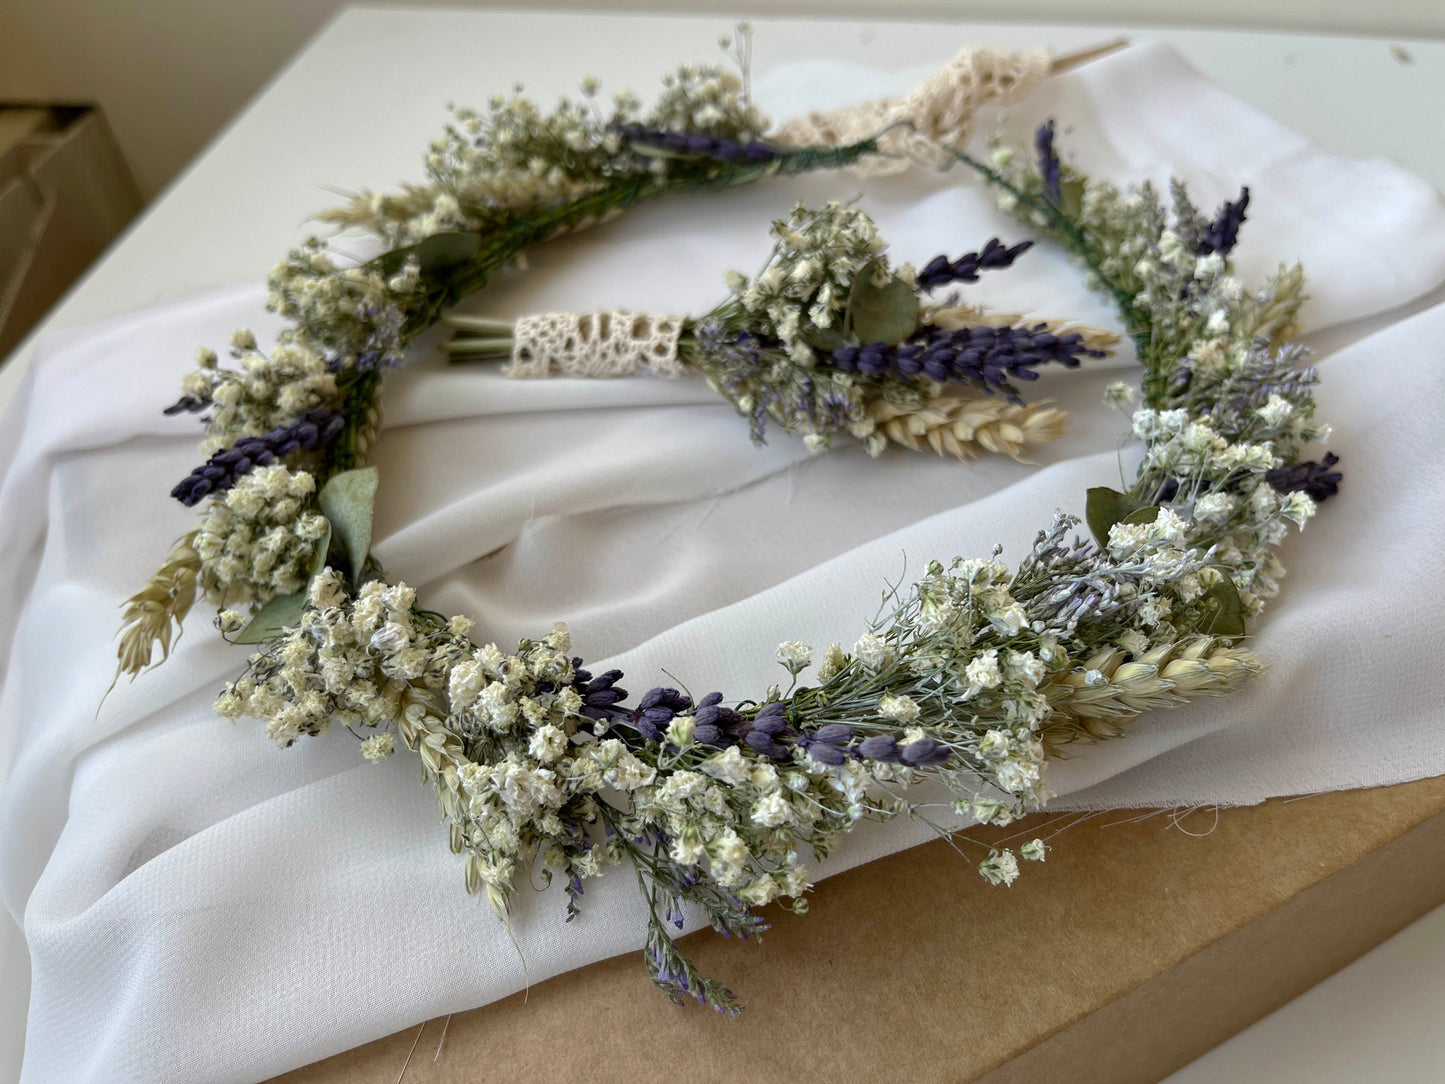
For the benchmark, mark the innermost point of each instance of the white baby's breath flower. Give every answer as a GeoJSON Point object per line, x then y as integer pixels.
{"type": "Point", "coordinates": [795, 655]}
{"type": "Point", "coordinates": [1300, 507]}
{"type": "Point", "coordinates": [681, 731]}
{"type": "Point", "coordinates": [772, 810]}
{"type": "Point", "coordinates": [378, 747]}
{"type": "Point", "coordinates": [834, 660]}
{"type": "Point", "coordinates": [547, 744]}
{"type": "Point", "coordinates": [1000, 868]}
{"type": "Point", "coordinates": [1119, 394]}
{"type": "Point", "coordinates": [994, 744]}
{"type": "Point", "coordinates": [1275, 412]}
{"type": "Point", "coordinates": [1034, 850]}
{"type": "Point", "coordinates": [982, 672]}
{"type": "Point", "coordinates": [872, 651]}
{"type": "Point", "coordinates": [900, 709]}
{"type": "Point", "coordinates": [728, 766]}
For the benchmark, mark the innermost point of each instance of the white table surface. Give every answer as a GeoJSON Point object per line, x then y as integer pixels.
{"type": "Point", "coordinates": [324, 122]}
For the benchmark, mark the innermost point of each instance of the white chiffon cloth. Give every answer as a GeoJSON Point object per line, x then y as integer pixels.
{"type": "Point", "coordinates": [201, 906]}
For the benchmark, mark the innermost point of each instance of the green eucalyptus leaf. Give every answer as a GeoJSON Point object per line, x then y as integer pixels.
{"type": "Point", "coordinates": [1105, 507]}
{"type": "Point", "coordinates": [824, 338]}
{"type": "Point", "coordinates": [348, 501]}
{"type": "Point", "coordinates": [389, 263]}
{"type": "Point", "coordinates": [443, 250]}
{"type": "Point", "coordinates": [436, 253]}
{"type": "Point", "coordinates": [881, 314]}
{"type": "Point", "coordinates": [274, 618]}
{"type": "Point", "coordinates": [323, 552]}
{"type": "Point", "coordinates": [1223, 610]}
{"type": "Point", "coordinates": [1142, 515]}
{"type": "Point", "coordinates": [1071, 195]}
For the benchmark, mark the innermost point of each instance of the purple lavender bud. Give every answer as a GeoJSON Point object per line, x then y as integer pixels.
{"type": "Point", "coordinates": [1048, 162]}
{"type": "Point", "coordinates": [600, 694]}
{"type": "Point", "coordinates": [312, 431]}
{"type": "Point", "coordinates": [772, 725]}
{"type": "Point", "coordinates": [187, 404]}
{"type": "Point", "coordinates": [710, 700]}
{"type": "Point", "coordinates": [708, 734]}
{"type": "Point", "coordinates": [834, 734]}
{"type": "Point", "coordinates": [882, 747]}
{"type": "Point", "coordinates": [824, 753]}
{"type": "Point", "coordinates": [697, 144]}
{"type": "Point", "coordinates": [937, 367]}
{"type": "Point", "coordinates": [984, 356]}
{"type": "Point", "coordinates": [763, 743]}
{"type": "Point", "coordinates": [1318, 481]}
{"type": "Point", "coordinates": [924, 753]}
{"type": "Point", "coordinates": [934, 268]}
{"type": "Point", "coordinates": [1223, 233]}
{"type": "Point", "coordinates": [652, 724]}
{"type": "Point", "coordinates": [994, 254]}
{"type": "Point", "coordinates": [873, 358]}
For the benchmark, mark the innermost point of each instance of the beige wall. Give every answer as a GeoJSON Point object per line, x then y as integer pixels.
{"type": "Point", "coordinates": [169, 73]}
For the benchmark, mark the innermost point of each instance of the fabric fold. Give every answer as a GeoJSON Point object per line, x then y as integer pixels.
{"type": "Point", "coordinates": [200, 905]}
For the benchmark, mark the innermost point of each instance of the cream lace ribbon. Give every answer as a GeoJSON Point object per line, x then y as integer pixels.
{"type": "Point", "coordinates": [595, 344]}
{"type": "Point", "coordinates": [933, 117]}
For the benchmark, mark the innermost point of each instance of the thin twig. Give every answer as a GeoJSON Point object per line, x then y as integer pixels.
{"type": "Point", "coordinates": [410, 1052]}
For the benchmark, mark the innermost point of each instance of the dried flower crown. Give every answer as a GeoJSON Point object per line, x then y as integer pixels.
{"type": "Point", "coordinates": [971, 677]}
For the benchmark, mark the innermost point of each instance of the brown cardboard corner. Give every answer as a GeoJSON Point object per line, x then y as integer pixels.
{"type": "Point", "coordinates": [1131, 951]}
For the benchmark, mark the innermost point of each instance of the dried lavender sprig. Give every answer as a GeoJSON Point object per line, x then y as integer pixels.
{"type": "Point", "coordinates": [1223, 233]}
{"type": "Point", "coordinates": [702, 146]}
{"type": "Point", "coordinates": [1048, 162]}
{"type": "Point", "coordinates": [767, 731]}
{"type": "Point", "coordinates": [984, 356]}
{"type": "Point", "coordinates": [939, 271]}
{"type": "Point", "coordinates": [1318, 481]}
{"type": "Point", "coordinates": [313, 430]}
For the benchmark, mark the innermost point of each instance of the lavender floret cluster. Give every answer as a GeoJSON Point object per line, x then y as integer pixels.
{"type": "Point", "coordinates": [1222, 234]}
{"type": "Point", "coordinates": [695, 143]}
{"type": "Point", "coordinates": [312, 431]}
{"type": "Point", "coordinates": [1317, 480]}
{"type": "Point", "coordinates": [940, 271]}
{"type": "Point", "coordinates": [984, 356]}
{"type": "Point", "coordinates": [767, 732]}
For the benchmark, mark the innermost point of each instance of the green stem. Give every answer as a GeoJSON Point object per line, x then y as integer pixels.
{"type": "Point", "coordinates": [507, 244]}
{"type": "Point", "coordinates": [503, 246]}
{"type": "Point", "coordinates": [1135, 320]}
{"type": "Point", "coordinates": [358, 396]}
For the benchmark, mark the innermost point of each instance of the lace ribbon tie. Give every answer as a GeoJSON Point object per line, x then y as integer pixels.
{"type": "Point", "coordinates": [932, 117]}
{"type": "Point", "coordinates": [596, 344]}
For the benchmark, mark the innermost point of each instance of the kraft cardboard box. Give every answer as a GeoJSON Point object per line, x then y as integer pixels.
{"type": "Point", "coordinates": [1134, 949]}
{"type": "Point", "coordinates": [65, 194]}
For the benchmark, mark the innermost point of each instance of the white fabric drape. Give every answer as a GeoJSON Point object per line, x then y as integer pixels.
{"type": "Point", "coordinates": [199, 905]}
